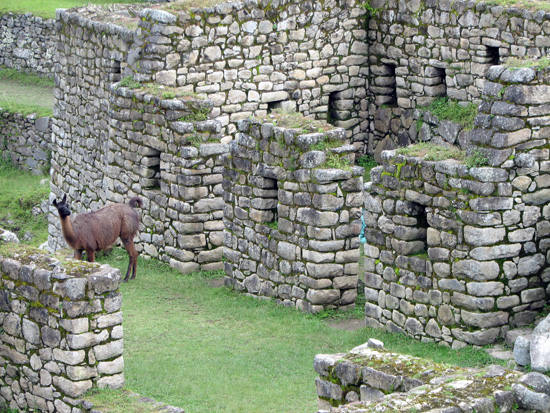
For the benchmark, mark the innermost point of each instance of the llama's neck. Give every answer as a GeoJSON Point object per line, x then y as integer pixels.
{"type": "Point", "coordinates": [67, 229]}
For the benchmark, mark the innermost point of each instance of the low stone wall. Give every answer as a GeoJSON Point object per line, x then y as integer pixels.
{"type": "Point", "coordinates": [372, 379]}
{"type": "Point", "coordinates": [27, 42]}
{"type": "Point", "coordinates": [61, 331]}
{"type": "Point", "coordinates": [26, 141]}
{"type": "Point", "coordinates": [291, 221]}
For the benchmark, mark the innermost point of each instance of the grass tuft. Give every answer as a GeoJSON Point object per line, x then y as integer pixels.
{"type": "Point", "coordinates": [445, 109]}
{"type": "Point", "coordinates": [514, 63]}
{"type": "Point", "coordinates": [477, 159]}
{"type": "Point", "coordinates": [368, 162]}
{"type": "Point", "coordinates": [295, 120]}
{"type": "Point", "coordinates": [432, 152]}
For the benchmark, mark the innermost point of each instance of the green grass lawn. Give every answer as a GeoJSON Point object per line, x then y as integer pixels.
{"type": "Point", "coordinates": [209, 349]}
{"type": "Point", "coordinates": [25, 93]}
{"type": "Point", "coordinates": [46, 8]}
{"type": "Point", "coordinates": [19, 193]}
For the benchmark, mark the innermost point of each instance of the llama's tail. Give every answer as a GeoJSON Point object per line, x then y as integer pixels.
{"type": "Point", "coordinates": [136, 202]}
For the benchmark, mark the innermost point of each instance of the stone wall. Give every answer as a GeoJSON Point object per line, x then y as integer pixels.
{"type": "Point", "coordinates": [25, 140]}
{"type": "Point", "coordinates": [27, 42]}
{"type": "Point", "coordinates": [371, 379]}
{"type": "Point", "coordinates": [61, 331]}
{"type": "Point", "coordinates": [419, 51]}
{"type": "Point", "coordinates": [250, 57]}
{"type": "Point", "coordinates": [156, 150]}
{"type": "Point", "coordinates": [457, 254]}
{"type": "Point", "coordinates": [89, 56]}
{"type": "Point", "coordinates": [291, 219]}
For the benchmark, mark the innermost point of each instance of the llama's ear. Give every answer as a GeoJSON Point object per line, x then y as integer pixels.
{"type": "Point", "coordinates": [54, 202]}
{"type": "Point", "coordinates": [65, 198]}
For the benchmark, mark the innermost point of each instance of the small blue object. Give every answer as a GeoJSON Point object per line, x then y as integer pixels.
{"type": "Point", "coordinates": [362, 236]}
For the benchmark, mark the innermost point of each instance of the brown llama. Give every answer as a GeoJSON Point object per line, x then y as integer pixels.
{"type": "Point", "coordinates": [95, 231]}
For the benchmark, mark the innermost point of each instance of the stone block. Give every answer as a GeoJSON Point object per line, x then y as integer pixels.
{"type": "Point", "coordinates": [484, 320]}
{"type": "Point", "coordinates": [109, 350]}
{"type": "Point", "coordinates": [323, 297]}
{"type": "Point", "coordinates": [71, 388]}
{"type": "Point", "coordinates": [328, 389]}
{"type": "Point", "coordinates": [69, 357]}
{"type": "Point", "coordinates": [476, 270]}
{"type": "Point", "coordinates": [111, 367]}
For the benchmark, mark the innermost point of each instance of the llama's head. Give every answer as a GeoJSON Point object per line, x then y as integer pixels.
{"type": "Point", "coordinates": [62, 207]}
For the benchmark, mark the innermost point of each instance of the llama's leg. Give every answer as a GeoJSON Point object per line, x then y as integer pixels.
{"type": "Point", "coordinates": [78, 254]}
{"type": "Point", "coordinates": [132, 253]}
{"type": "Point", "coordinates": [91, 255]}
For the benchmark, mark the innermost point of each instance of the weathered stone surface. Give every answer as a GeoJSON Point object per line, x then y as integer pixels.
{"type": "Point", "coordinates": [322, 362]}
{"type": "Point", "coordinates": [109, 350]}
{"type": "Point", "coordinates": [537, 198]}
{"type": "Point", "coordinates": [530, 265]}
{"type": "Point", "coordinates": [348, 373]}
{"type": "Point", "coordinates": [69, 357]}
{"type": "Point", "coordinates": [488, 288]}
{"type": "Point", "coordinates": [485, 320]}
{"type": "Point", "coordinates": [476, 270]}
{"type": "Point", "coordinates": [322, 296]}
{"type": "Point", "coordinates": [540, 352]}
{"type": "Point", "coordinates": [472, 303]}
{"type": "Point", "coordinates": [483, 236]}
{"type": "Point", "coordinates": [529, 399]}
{"type": "Point", "coordinates": [72, 388]}
{"type": "Point", "coordinates": [328, 389]}
{"type": "Point", "coordinates": [522, 351]}
{"type": "Point", "coordinates": [479, 338]}
{"type": "Point", "coordinates": [495, 252]}
{"type": "Point", "coordinates": [379, 380]}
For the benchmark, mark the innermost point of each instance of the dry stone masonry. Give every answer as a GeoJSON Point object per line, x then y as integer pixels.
{"type": "Point", "coordinates": [61, 331]}
{"type": "Point", "coordinates": [419, 51]}
{"type": "Point", "coordinates": [454, 254]}
{"type": "Point", "coordinates": [135, 143]}
{"type": "Point", "coordinates": [158, 151]}
{"type": "Point", "coordinates": [292, 221]}
{"type": "Point", "coordinates": [458, 254]}
{"type": "Point", "coordinates": [248, 57]}
{"type": "Point", "coordinates": [27, 42]}
{"type": "Point", "coordinates": [26, 141]}
{"type": "Point", "coordinates": [371, 379]}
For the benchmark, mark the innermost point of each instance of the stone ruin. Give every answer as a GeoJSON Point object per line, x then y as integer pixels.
{"type": "Point", "coordinates": [61, 331]}
{"type": "Point", "coordinates": [454, 254]}
{"type": "Point", "coordinates": [458, 254]}
{"type": "Point", "coordinates": [372, 379]}
{"type": "Point", "coordinates": [291, 220]}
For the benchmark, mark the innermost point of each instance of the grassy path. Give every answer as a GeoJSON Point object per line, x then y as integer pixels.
{"type": "Point", "coordinates": [212, 350]}
{"type": "Point", "coordinates": [208, 349]}
{"type": "Point", "coordinates": [25, 98]}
